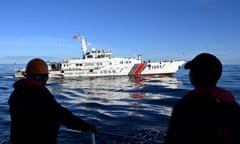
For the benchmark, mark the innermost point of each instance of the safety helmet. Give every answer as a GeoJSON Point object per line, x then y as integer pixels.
{"type": "Point", "coordinates": [37, 66]}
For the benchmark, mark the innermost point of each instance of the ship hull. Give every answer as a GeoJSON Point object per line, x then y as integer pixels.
{"type": "Point", "coordinates": [119, 67]}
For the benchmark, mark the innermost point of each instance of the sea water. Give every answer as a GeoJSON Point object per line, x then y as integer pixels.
{"type": "Point", "coordinates": [126, 110]}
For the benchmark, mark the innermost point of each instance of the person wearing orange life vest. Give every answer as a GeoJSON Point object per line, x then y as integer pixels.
{"type": "Point", "coordinates": [207, 114]}
{"type": "Point", "coordinates": [35, 114]}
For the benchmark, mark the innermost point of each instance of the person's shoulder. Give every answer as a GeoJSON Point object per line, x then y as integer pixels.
{"type": "Point", "coordinates": [193, 98]}
{"type": "Point", "coordinates": [195, 102]}
{"type": "Point", "coordinates": [188, 103]}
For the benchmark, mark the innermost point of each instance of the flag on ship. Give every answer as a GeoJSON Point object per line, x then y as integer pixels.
{"type": "Point", "coordinates": [75, 37]}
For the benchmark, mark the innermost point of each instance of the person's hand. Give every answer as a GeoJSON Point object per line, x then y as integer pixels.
{"type": "Point", "coordinates": [93, 128]}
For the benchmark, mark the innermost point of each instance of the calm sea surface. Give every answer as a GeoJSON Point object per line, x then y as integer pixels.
{"type": "Point", "coordinates": [126, 110]}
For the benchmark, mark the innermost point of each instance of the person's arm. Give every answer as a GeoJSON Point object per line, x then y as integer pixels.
{"type": "Point", "coordinates": [71, 121]}
{"type": "Point", "coordinates": [65, 117]}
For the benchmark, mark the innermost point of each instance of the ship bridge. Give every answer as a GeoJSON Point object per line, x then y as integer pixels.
{"type": "Point", "coordinates": [95, 53]}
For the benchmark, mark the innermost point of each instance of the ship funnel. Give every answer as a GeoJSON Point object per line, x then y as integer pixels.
{"type": "Point", "coordinates": [84, 46]}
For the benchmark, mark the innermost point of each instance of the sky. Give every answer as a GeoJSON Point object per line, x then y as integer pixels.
{"type": "Point", "coordinates": [157, 29]}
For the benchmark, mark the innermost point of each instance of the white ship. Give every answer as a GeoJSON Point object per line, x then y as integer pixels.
{"type": "Point", "coordinates": [98, 63]}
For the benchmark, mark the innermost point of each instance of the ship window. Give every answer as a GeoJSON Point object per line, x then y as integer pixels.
{"type": "Point", "coordinates": [89, 56]}
{"type": "Point", "coordinates": [78, 64]}
{"type": "Point", "coordinates": [121, 62]}
{"type": "Point", "coordinates": [91, 70]}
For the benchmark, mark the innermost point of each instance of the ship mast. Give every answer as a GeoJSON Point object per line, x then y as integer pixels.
{"type": "Point", "coordinates": [84, 46]}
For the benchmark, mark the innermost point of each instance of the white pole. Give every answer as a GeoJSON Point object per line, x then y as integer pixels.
{"type": "Point", "coordinates": [93, 138]}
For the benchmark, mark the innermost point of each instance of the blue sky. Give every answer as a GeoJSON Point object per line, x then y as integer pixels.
{"type": "Point", "coordinates": [157, 29]}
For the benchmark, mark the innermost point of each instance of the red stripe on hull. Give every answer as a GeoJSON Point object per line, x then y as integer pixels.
{"type": "Point", "coordinates": [139, 69]}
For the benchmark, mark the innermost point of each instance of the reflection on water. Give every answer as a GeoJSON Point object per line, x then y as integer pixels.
{"type": "Point", "coordinates": [113, 90]}
{"type": "Point", "coordinates": [123, 83]}
{"type": "Point", "coordinates": [167, 82]}
{"type": "Point", "coordinates": [119, 104]}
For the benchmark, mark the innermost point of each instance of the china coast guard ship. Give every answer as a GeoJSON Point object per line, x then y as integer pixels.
{"type": "Point", "coordinates": [98, 63]}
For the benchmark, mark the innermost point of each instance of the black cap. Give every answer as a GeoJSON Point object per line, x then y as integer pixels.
{"type": "Point", "coordinates": [205, 67]}
{"type": "Point", "coordinates": [203, 61]}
